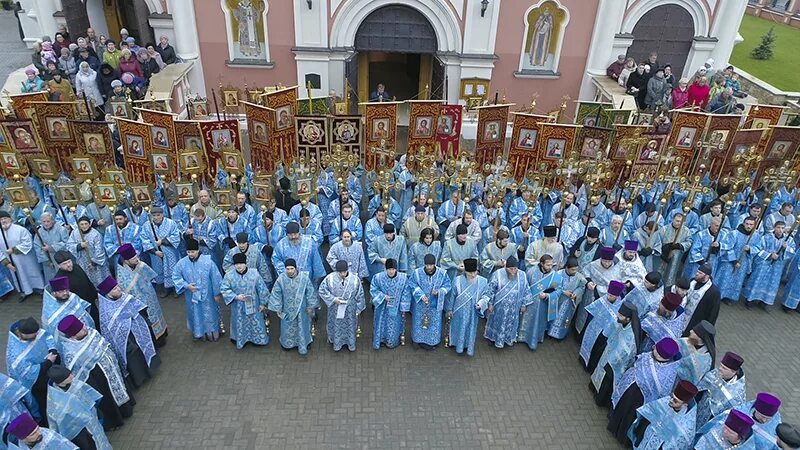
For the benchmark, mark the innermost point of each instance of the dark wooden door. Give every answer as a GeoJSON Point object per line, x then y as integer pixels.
{"type": "Point", "coordinates": [667, 30]}
{"type": "Point", "coordinates": [398, 29]}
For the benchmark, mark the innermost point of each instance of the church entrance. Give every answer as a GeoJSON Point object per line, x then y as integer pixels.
{"type": "Point", "coordinates": [667, 30]}
{"type": "Point", "coordinates": [131, 15]}
{"type": "Point", "coordinates": [396, 46]}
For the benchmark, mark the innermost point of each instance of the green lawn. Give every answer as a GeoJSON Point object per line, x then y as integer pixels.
{"type": "Point", "coordinates": [781, 70]}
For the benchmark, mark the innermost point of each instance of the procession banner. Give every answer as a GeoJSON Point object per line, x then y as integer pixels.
{"type": "Point", "coordinates": [555, 142]}
{"type": "Point", "coordinates": [713, 148]}
{"type": "Point", "coordinates": [448, 130]}
{"type": "Point", "coordinates": [312, 138]}
{"type": "Point", "coordinates": [422, 115]}
{"type": "Point", "coordinates": [135, 137]}
{"type": "Point", "coordinates": [687, 130]}
{"type": "Point", "coordinates": [625, 147]}
{"type": "Point", "coordinates": [742, 140]}
{"type": "Point", "coordinates": [763, 116]}
{"type": "Point", "coordinates": [23, 137]}
{"type": "Point", "coordinates": [54, 122]}
{"type": "Point", "coordinates": [259, 125]}
{"type": "Point", "coordinates": [491, 135]}
{"type": "Point", "coordinates": [13, 164]}
{"type": "Point", "coordinates": [781, 150]}
{"type": "Point", "coordinates": [94, 139]}
{"type": "Point", "coordinates": [219, 136]}
{"type": "Point", "coordinates": [347, 132]}
{"type": "Point", "coordinates": [522, 151]}
{"type": "Point", "coordinates": [592, 114]}
{"type": "Point", "coordinates": [380, 132]}
{"type": "Point", "coordinates": [21, 104]}
{"type": "Point", "coordinates": [283, 131]}
{"type": "Point", "coordinates": [593, 142]}
{"type": "Point", "coordinates": [647, 157]}
{"type": "Point", "coordinates": [315, 106]}
{"type": "Point", "coordinates": [162, 138]}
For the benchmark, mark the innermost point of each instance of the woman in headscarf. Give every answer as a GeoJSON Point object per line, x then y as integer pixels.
{"type": "Point", "coordinates": [698, 93]}
{"type": "Point", "coordinates": [86, 84]}
{"type": "Point", "coordinates": [151, 50]}
{"type": "Point", "coordinates": [680, 94]}
{"type": "Point", "coordinates": [129, 63]}
{"type": "Point", "coordinates": [60, 89]}
{"type": "Point", "coordinates": [33, 83]}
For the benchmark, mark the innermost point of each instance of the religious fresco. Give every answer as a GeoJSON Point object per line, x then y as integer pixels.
{"type": "Point", "coordinates": [247, 31]}
{"type": "Point", "coordinates": [544, 32]}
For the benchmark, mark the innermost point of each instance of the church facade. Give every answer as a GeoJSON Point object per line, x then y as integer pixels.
{"type": "Point", "coordinates": [445, 49]}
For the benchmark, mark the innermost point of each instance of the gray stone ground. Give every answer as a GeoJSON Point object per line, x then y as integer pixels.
{"type": "Point", "coordinates": [208, 395]}
{"type": "Point", "coordinates": [212, 396]}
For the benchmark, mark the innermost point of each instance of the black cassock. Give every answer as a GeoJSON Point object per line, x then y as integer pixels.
{"type": "Point", "coordinates": [138, 369]}
{"type": "Point", "coordinates": [113, 416]}
{"type": "Point", "coordinates": [81, 285]}
{"type": "Point", "coordinates": [707, 309]}
{"type": "Point", "coordinates": [622, 417]}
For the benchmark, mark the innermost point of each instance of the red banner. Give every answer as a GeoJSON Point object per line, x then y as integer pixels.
{"type": "Point", "coordinates": [218, 136]}
{"type": "Point", "coordinates": [259, 125]}
{"type": "Point", "coordinates": [491, 135]}
{"type": "Point", "coordinates": [448, 129]}
{"type": "Point", "coordinates": [524, 136]}
{"type": "Point", "coordinates": [94, 139]}
{"type": "Point", "coordinates": [422, 120]}
{"type": "Point", "coordinates": [283, 131]}
{"type": "Point", "coordinates": [381, 125]}
{"type": "Point", "coordinates": [162, 135]}
{"type": "Point", "coordinates": [135, 137]}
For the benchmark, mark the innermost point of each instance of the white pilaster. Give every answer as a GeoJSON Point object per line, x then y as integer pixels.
{"type": "Point", "coordinates": [701, 50]}
{"type": "Point", "coordinates": [608, 21]}
{"type": "Point", "coordinates": [186, 42]}
{"type": "Point", "coordinates": [311, 25]}
{"type": "Point", "coordinates": [480, 33]}
{"type": "Point", "coordinates": [312, 62]}
{"type": "Point", "coordinates": [726, 26]}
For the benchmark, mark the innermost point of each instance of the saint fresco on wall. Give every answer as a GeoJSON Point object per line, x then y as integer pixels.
{"type": "Point", "coordinates": [247, 29]}
{"type": "Point", "coordinates": [544, 29]}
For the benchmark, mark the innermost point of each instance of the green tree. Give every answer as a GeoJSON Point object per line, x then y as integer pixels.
{"type": "Point", "coordinates": [764, 49]}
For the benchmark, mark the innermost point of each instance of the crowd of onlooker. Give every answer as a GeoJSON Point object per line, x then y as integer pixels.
{"type": "Point", "coordinates": [95, 67]}
{"type": "Point", "coordinates": [654, 86]}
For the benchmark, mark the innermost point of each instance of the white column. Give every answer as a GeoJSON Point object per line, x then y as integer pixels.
{"type": "Point", "coordinates": [187, 40]}
{"type": "Point", "coordinates": [702, 49]}
{"type": "Point", "coordinates": [608, 22]}
{"type": "Point", "coordinates": [726, 29]}
{"type": "Point", "coordinates": [452, 71]}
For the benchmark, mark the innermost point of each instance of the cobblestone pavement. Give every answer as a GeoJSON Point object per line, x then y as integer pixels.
{"type": "Point", "coordinates": [208, 395]}
{"type": "Point", "coordinates": [14, 52]}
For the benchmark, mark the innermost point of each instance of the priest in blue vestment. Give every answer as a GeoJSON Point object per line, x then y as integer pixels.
{"type": "Point", "coordinates": [342, 293]}
{"type": "Point", "coordinates": [161, 237]}
{"type": "Point", "coordinates": [348, 221]}
{"type": "Point", "coordinates": [15, 399]}
{"type": "Point", "coordinates": [764, 411]}
{"type": "Point", "coordinates": [391, 299]}
{"type": "Point", "coordinates": [494, 255]}
{"type": "Point", "coordinates": [89, 356]}
{"type": "Point", "coordinates": [124, 323]}
{"type": "Point", "coordinates": [647, 295]}
{"type": "Point", "coordinates": [601, 321]}
{"type": "Point", "coordinates": [736, 432]}
{"type": "Point", "coordinates": [465, 306]}
{"type": "Point", "coordinates": [244, 290]}
{"type": "Point", "coordinates": [256, 257]}
{"type": "Point", "coordinates": [197, 277]}
{"type": "Point", "coordinates": [300, 248]}
{"type": "Point", "coordinates": [698, 352]}
{"type": "Point", "coordinates": [666, 423]}
{"type": "Point", "coordinates": [721, 389]}
{"type": "Point", "coordinates": [137, 278]}
{"type": "Point", "coordinates": [429, 286]}
{"type": "Point", "coordinates": [71, 410]}
{"type": "Point", "coordinates": [570, 291]}
{"type": "Point", "coordinates": [50, 239]}
{"type": "Point", "coordinates": [735, 263]}
{"type": "Point", "coordinates": [651, 377]}
{"type": "Point", "coordinates": [455, 251]}
{"type": "Point", "coordinates": [121, 232]}
{"type": "Point", "coordinates": [620, 352]}
{"type": "Point", "coordinates": [58, 302]}
{"type": "Point", "coordinates": [34, 437]}
{"type": "Point", "coordinates": [508, 292]}
{"type": "Point", "coordinates": [390, 245]}
{"type": "Point", "coordinates": [86, 244]}
{"type": "Point", "coordinates": [770, 254]}
{"type": "Point", "coordinates": [294, 300]}
{"type": "Point", "coordinates": [542, 308]}
{"type": "Point", "coordinates": [667, 321]}
{"type": "Point", "coordinates": [450, 210]}
{"type": "Point", "coordinates": [707, 246]}
{"type": "Point", "coordinates": [351, 251]}
{"type": "Point", "coordinates": [30, 353]}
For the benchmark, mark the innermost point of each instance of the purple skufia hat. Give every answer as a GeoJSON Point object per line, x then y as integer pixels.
{"type": "Point", "coordinates": [22, 426]}
{"type": "Point", "coordinates": [70, 325]}
{"type": "Point", "coordinates": [607, 253]}
{"type": "Point", "coordinates": [106, 285]}
{"type": "Point", "coordinates": [59, 284]}
{"type": "Point", "coordinates": [126, 251]}
{"type": "Point", "coordinates": [667, 348]}
{"type": "Point", "coordinates": [732, 361]}
{"type": "Point", "coordinates": [767, 404]}
{"type": "Point", "coordinates": [615, 288]}
{"type": "Point", "coordinates": [740, 423]}
{"type": "Point", "coordinates": [631, 245]}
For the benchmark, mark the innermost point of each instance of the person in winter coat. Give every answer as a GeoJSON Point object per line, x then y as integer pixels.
{"type": "Point", "coordinates": [135, 84]}
{"type": "Point", "coordinates": [84, 55]}
{"type": "Point", "coordinates": [105, 78]}
{"type": "Point", "coordinates": [637, 85]}
{"type": "Point", "coordinates": [33, 83]}
{"type": "Point", "coordinates": [86, 83]}
{"type": "Point", "coordinates": [36, 57]}
{"type": "Point", "coordinates": [61, 42]}
{"type": "Point", "coordinates": [67, 65]}
{"type": "Point", "coordinates": [656, 87]}
{"type": "Point", "coordinates": [148, 64]}
{"type": "Point", "coordinates": [698, 93]}
{"type": "Point", "coordinates": [60, 89]}
{"type": "Point", "coordinates": [151, 50]}
{"type": "Point", "coordinates": [129, 63]}
{"type": "Point", "coordinates": [680, 95]}
{"type": "Point", "coordinates": [166, 51]}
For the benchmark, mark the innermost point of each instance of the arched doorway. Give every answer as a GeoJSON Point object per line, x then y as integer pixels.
{"type": "Point", "coordinates": [396, 45]}
{"type": "Point", "coordinates": [667, 30]}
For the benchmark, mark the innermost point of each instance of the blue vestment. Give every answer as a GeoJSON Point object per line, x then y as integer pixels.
{"type": "Point", "coordinates": [668, 429]}
{"type": "Point", "coordinates": [506, 296]}
{"type": "Point", "coordinates": [462, 302]}
{"type": "Point", "coordinates": [202, 310]}
{"type": "Point", "coordinates": [290, 299]}
{"type": "Point", "coordinates": [539, 311]}
{"type": "Point", "coordinates": [247, 319]}
{"type": "Point", "coordinates": [138, 282]}
{"type": "Point", "coordinates": [426, 325]}
{"type": "Point", "coordinates": [391, 300]}
{"type": "Point", "coordinates": [603, 320]}
{"type": "Point", "coordinates": [342, 320]}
